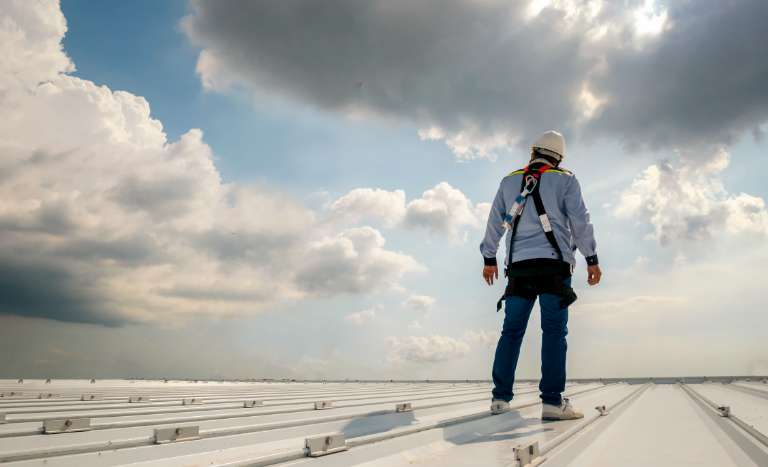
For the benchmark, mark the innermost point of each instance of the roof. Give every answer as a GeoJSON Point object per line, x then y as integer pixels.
{"type": "Point", "coordinates": [641, 422]}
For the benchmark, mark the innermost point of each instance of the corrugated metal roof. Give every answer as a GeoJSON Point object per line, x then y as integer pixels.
{"type": "Point", "coordinates": [666, 422]}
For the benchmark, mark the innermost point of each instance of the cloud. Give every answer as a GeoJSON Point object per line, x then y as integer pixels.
{"type": "Point", "coordinates": [430, 349]}
{"type": "Point", "coordinates": [685, 200]}
{"type": "Point", "coordinates": [635, 304]}
{"type": "Point", "coordinates": [419, 303]}
{"type": "Point", "coordinates": [399, 59]}
{"type": "Point", "coordinates": [681, 89]}
{"type": "Point", "coordinates": [482, 338]}
{"type": "Point", "coordinates": [30, 43]}
{"type": "Point", "coordinates": [354, 261]}
{"type": "Point", "coordinates": [109, 222]}
{"type": "Point", "coordinates": [442, 209]}
{"type": "Point", "coordinates": [487, 76]}
{"type": "Point", "coordinates": [65, 297]}
{"type": "Point", "coordinates": [370, 204]}
{"type": "Point", "coordinates": [361, 317]}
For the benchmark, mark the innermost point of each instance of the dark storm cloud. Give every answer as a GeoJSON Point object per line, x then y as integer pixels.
{"type": "Point", "coordinates": [468, 65]}
{"type": "Point", "coordinates": [449, 62]}
{"type": "Point", "coordinates": [45, 290]}
{"type": "Point", "coordinates": [131, 251]}
{"type": "Point", "coordinates": [705, 81]}
{"type": "Point", "coordinates": [247, 296]}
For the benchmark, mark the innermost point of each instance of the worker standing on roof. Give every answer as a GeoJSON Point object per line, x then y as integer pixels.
{"type": "Point", "coordinates": [543, 213]}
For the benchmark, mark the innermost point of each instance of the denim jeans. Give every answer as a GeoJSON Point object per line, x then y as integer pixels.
{"type": "Point", "coordinates": [554, 326]}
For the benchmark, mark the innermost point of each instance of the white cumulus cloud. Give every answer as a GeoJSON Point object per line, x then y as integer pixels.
{"type": "Point", "coordinates": [685, 199]}
{"type": "Point", "coordinates": [372, 204]}
{"type": "Point", "coordinates": [361, 317]}
{"type": "Point", "coordinates": [419, 303]}
{"type": "Point", "coordinates": [482, 338]}
{"type": "Point", "coordinates": [427, 349]}
{"type": "Point", "coordinates": [443, 209]}
{"type": "Point", "coordinates": [104, 220]}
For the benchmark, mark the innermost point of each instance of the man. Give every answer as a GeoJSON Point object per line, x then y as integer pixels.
{"type": "Point", "coordinates": [542, 211]}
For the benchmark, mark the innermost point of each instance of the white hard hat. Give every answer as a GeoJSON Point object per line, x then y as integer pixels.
{"type": "Point", "coordinates": [552, 144]}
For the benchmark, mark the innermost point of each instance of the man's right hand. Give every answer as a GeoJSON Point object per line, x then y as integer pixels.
{"type": "Point", "coordinates": [594, 274]}
{"type": "Point", "coordinates": [490, 273]}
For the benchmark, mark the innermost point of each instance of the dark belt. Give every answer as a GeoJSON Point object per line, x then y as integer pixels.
{"type": "Point", "coordinates": [532, 286]}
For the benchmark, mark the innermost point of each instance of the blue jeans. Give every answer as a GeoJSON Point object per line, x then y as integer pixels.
{"type": "Point", "coordinates": [554, 326]}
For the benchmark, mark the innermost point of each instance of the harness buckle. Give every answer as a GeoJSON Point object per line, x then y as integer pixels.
{"type": "Point", "coordinates": [530, 183]}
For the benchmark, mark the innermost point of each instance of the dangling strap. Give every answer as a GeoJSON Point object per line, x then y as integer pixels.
{"type": "Point", "coordinates": [545, 224]}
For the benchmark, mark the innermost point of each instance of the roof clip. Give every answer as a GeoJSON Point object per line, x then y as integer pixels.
{"type": "Point", "coordinates": [66, 425]}
{"type": "Point", "coordinates": [325, 444]}
{"type": "Point", "coordinates": [322, 405]}
{"type": "Point", "coordinates": [45, 395]}
{"type": "Point", "coordinates": [404, 407]}
{"type": "Point", "coordinates": [191, 401]}
{"type": "Point", "coordinates": [527, 455]}
{"type": "Point", "coordinates": [252, 403]}
{"type": "Point", "coordinates": [2, 418]}
{"type": "Point", "coordinates": [602, 409]}
{"type": "Point", "coordinates": [175, 434]}
{"type": "Point", "coordinates": [90, 397]}
{"type": "Point", "coordinates": [724, 411]}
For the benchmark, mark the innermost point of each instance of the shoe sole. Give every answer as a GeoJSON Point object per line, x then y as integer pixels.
{"type": "Point", "coordinates": [557, 419]}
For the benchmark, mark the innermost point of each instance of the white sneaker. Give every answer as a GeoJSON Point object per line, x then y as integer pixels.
{"type": "Point", "coordinates": [499, 406]}
{"type": "Point", "coordinates": [564, 411]}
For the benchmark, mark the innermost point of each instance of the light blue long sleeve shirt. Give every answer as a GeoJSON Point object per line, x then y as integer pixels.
{"type": "Point", "coordinates": [567, 212]}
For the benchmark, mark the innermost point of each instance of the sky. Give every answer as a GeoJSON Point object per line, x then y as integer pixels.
{"type": "Point", "coordinates": [202, 189]}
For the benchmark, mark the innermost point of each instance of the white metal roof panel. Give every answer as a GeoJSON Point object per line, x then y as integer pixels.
{"type": "Point", "coordinates": [659, 422]}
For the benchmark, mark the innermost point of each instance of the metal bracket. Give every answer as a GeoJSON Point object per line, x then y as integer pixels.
{"type": "Point", "coordinates": [322, 405]}
{"type": "Point", "coordinates": [253, 403]}
{"type": "Point", "coordinates": [46, 395]}
{"type": "Point", "coordinates": [525, 454]}
{"type": "Point", "coordinates": [135, 399]}
{"type": "Point", "coordinates": [11, 394]}
{"type": "Point", "coordinates": [724, 411]}
{"type": "Point", "coordinates": [191, 401]}
{"type": "Point", "coordinates": [90, 397]}
{"type": "Point", "coordinates": [93, 381]}
{"type": "Point", "coordinates": [48, 381]}
{"type": "Point", "coordinates": [180, 433]}
{"type": "Point", "coordinates": [404, 407]}
{"type": "Point", "coordinates": [602, 409]}
{"type": "Point", "coordinates": [66, 425]}
{"type": "Point", "coordinates": [20, 381]}
{"type": "Point", "coordinates": [325, 444]}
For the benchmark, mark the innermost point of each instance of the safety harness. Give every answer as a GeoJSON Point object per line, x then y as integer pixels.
{"type": "Point", "coordinates": [530, 185]}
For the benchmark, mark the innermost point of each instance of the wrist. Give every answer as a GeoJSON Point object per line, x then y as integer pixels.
{"type": "Point", "coordinates": [592, 260]}
{"type": "Point", "coordinates": [489, 261]}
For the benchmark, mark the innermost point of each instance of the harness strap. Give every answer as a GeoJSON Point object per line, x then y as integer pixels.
{"type": "Point", "coordinates": [529, 186]}
{"type": "Point", "coordinates": [545, 224]}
